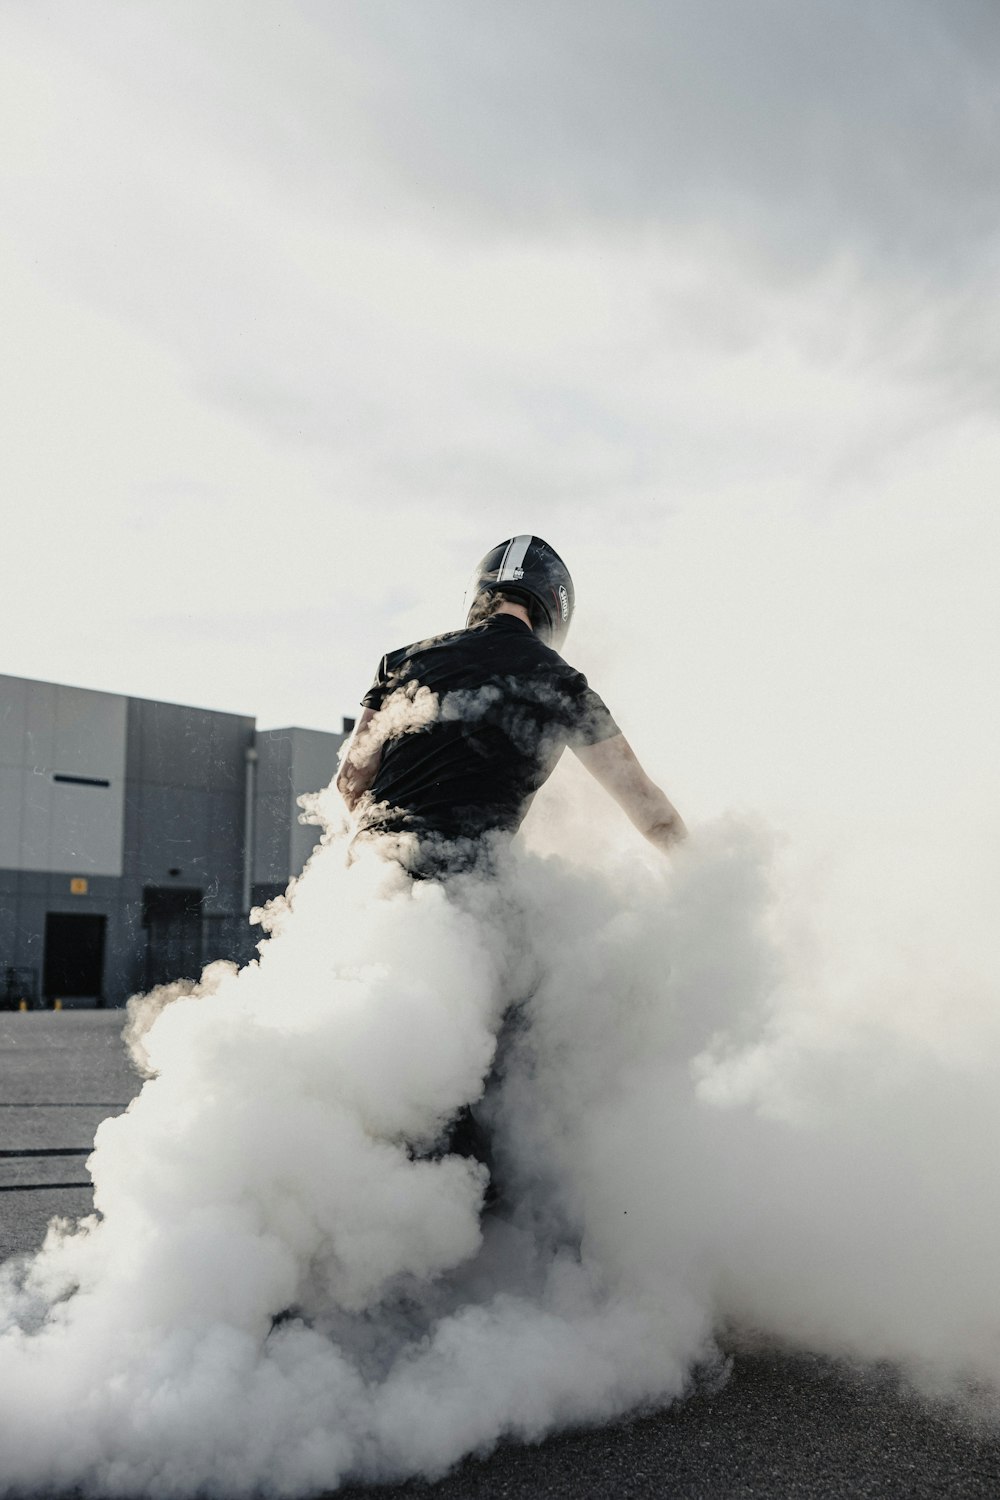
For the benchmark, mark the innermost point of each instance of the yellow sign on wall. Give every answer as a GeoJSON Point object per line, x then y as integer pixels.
{"type": "Point", "coordinates": [77, 886]}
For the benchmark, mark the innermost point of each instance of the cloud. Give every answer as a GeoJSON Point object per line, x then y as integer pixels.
{"type": "Point", "coordinates": [331, 300]}
{"type": "Point", "coordinates": [808, 129]}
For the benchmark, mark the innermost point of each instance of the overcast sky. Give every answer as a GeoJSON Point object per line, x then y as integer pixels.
{"type": "Point", "coordinates": [305, 306]}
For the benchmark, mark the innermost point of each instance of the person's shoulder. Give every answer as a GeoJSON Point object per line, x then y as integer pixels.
{"type": "Point", "coordinates": [406, 653]}
{"type": "Point", "coordinates": [544, 664]}
{"type": "Point", "coordinates": [556, 664]}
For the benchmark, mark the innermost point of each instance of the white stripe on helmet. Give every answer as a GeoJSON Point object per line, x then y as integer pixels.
{"type": "Point", "coordinates": [513, 559]}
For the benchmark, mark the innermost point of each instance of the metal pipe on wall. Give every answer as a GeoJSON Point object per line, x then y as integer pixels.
{"type": "Point", "coordinates": [249, 809]}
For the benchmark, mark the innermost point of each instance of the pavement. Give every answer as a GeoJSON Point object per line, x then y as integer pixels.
{"type": "Point", "coordinates": [782, 1425]}
{"type": "Point", "coordinates": [61, 1074]}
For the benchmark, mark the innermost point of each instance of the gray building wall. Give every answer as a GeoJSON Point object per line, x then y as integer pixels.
{"type": "Point", "coordinates": [290, 763]}
{"type": "Point", "coordinates": [123, 822]}
{"type": "Point", "coordinates": [184, 815]}
{"type": "Point", "coordinates": [62, 778]}
{"type": "Point", "coordinates": [185, 799]}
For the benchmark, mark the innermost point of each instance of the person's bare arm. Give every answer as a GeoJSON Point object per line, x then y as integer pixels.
{"type": "Point", "coordinates": [359, 761]}
{"type": "Point", "coordinates": [613, 764]}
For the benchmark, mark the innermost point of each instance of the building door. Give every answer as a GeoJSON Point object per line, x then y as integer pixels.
{"type": "Point", "coordinates": [73, 965]}
{"type": "Point", "coordinates": [172, 919]}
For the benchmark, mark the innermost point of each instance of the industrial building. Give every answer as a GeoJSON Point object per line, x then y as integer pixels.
{"type": "Point", "coordinates": [135, 836]}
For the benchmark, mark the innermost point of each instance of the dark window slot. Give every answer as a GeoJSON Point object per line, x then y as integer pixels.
{"type": "Point", "coordinates": [81, 780]}
{"type": "Point", "coordinates": [48, 1151]}
{"type": "Point", "coordinates": [42, 1187]}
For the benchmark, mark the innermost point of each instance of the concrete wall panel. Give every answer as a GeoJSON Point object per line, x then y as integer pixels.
{"type": "Point", "coordinates": [314, 758]}
{"type": "Point", "coordinates": [13, 707]}
{"type": "Point", "coordinates": [36, 819]}
{"type": "Point", "coordinates": [290, 762]}
{"type": "Point", "coordinates": [29, 929]}
{"type": "Point", "coordinates": [39, 726]}
{"type": "Point", "coordinates": [225, 841]}
{"type": "Point", "coordinates": [8, 919]}
{"type": "Point", "coordinates": [85, 829]}
{"type": "Point", "coordinates": [274, 761]}
{"type": "Point", "coordinates": [174, 745]}
{"type": "Point", "coordinates": [51, 732]}
{"type": "Point", "coordinates": [11, 814]}
{"type": "Point", "coordinates": [272, 816]}
{"type": "Point", "coordinates": [170, 828]}
{"type": "Point", "coordinates": [89, 734]}
{"type": "Point", "coordinates": [272, 838]}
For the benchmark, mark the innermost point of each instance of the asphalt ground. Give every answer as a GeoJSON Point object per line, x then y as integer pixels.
{"type": "Point", "coordinates": [781, 1425]}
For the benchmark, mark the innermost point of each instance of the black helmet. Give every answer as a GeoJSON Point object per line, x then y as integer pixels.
{"type": "Point", "coordinates": [528, 566]}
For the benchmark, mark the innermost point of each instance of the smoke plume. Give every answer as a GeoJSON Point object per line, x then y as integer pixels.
{"type": "Point", "coordinates": [704, 1129]}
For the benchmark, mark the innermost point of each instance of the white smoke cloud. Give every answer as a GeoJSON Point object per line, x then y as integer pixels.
{"type": "Point", "coordinates": [703, 1125]}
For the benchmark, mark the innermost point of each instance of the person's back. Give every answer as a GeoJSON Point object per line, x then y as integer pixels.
{"type": "Point", "coordinates": [460, 731]}
{"type": "Point", "coordinates": [497, 709]}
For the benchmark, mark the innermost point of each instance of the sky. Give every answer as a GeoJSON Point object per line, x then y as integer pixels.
{"type": "Point", "coordinates": [306, 306]}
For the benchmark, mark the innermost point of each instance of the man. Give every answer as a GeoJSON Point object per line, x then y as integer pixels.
{"type": "Point", "coordinates": [459, 732]}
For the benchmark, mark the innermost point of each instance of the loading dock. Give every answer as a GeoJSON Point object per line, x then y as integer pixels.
{"type": "Point", "coordinates": [73, 962]}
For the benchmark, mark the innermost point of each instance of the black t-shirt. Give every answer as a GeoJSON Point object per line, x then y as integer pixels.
{"type": "Point", "coordinates": [476, 721]}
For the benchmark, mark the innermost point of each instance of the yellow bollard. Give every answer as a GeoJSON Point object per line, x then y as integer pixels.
{"type": "Point", "coordinates": [23, 1005]}
{"type": "Point", "coordinates": [57, 1005]}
